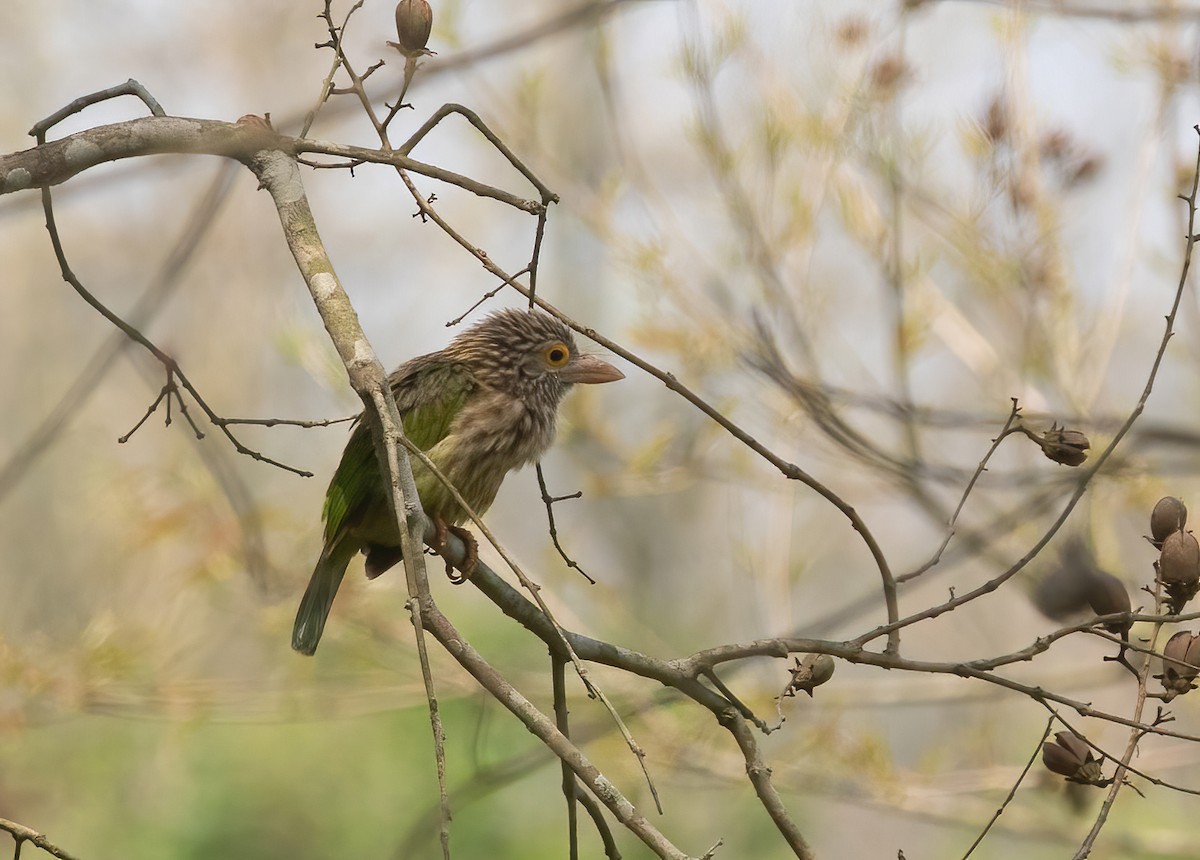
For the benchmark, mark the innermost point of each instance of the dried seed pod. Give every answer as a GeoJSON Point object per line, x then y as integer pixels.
{"type": "Point", "coordinates": [1075, 744]}
{"type": "Point", "coordinates": [1060, 760]}
{"type": "Point", "coordinates": [1181, 664]}
{"type": "Point", "coordinates": [1183, 647]}
{"type": "Point", "coordinates": [1061, 445]}
{"type": "Point", "coordinates": [822, 670]}
{"type": "Point", "coordinates": [1169, 515]}
{"type": "Point", "coordinates": [1179, 562]}
{"type": "Point", "coordinates": [1107, 595]}
{"type": "Point", "coordinates": [1071, 757]}
{"type": "Point", "coordinates": [809, 673]}
{"type": "Point", "coordinates": [414, 22]}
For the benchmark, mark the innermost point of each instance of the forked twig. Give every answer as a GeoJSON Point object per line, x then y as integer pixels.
{"type": "Point", "coordinates": [550, 501]}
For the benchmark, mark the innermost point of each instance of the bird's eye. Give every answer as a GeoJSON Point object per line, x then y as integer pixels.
{"type": "Point", "coordinates": [556, 355]}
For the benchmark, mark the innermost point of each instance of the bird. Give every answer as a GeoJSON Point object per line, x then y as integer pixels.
{"type": "Point", "coordinates": [483, 406]}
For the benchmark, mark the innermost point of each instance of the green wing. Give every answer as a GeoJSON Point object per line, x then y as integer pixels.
{"type": "Point", "coordinates": [430, 391]}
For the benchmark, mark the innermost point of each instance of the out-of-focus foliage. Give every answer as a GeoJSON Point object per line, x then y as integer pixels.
{"type": "Point", "coordinates": [857, 228]}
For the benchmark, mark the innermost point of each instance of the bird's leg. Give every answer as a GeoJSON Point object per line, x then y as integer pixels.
{"type": "Point", "coordinates": [441, 529]}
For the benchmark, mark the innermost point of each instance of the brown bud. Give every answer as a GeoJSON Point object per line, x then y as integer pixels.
{"type": "Point", "coordinates": [1068, 447]}
{"type": "Point", "coordinates": [1107, 595]}
{"type": "Point", "coordinates": [414, 21]}
{"type": "Point", "coordinates": [1179, 562]}
{"type": "Point", "coordinates": [1169, 515]}
{"type": "Point", "coordinates": [1071, 757]}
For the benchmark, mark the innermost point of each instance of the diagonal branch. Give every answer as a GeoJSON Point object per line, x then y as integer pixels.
{"type": "Point", "coordinates": [21, 833]}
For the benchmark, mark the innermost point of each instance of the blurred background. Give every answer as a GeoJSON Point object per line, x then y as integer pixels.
{"type": "Point", "coordinates": [857, 228]}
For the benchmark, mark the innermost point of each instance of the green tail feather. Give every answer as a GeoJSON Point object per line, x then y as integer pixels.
{"type": "Point", "coordinates": [318, 597]}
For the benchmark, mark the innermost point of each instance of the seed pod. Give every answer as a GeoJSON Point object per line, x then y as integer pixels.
{"type": "Point", "coordinates": [1069, 756]}
{"type": "Point", "coordinates": [809, 673]}
{"type": "Point", "coordinates": [1179, 562]}
{"type": "Point", "coordinates": [1075, 744]}
{"type": "Point", "coordinates": [1181, 664]}
{"type": "Point", "coordinates": [414, 21]}
{"type": "Point", "coordinates": [1061, 761]}
{"type": "Point", "coordinates": [1068, 447]}
{"type": "Point", "coordinates": [1184, 647]}
{"type": "Point", "coordinates": [822, 670]}
{"type": "Point", "coordinates": [1169, 515]}
{"type": "Point", "coordinates": [1107, 595]}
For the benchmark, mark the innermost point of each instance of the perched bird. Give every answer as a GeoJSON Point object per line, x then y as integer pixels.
{"type": "Point", "coordinates": [484, 405]}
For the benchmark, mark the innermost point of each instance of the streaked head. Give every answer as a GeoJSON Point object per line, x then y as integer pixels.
{"type": "Point", "coordinates": [529, 354]}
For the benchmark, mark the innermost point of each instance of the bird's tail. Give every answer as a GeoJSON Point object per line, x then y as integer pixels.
{"type": "Point", "coordinates": [318, 597]}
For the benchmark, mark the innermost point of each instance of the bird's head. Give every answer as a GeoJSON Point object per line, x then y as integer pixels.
{"type": "Point", "coordinates": [530, 355]}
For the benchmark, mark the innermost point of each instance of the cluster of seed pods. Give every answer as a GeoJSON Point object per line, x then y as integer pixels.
{"type": "Point", "coordinates": [1177, 570]}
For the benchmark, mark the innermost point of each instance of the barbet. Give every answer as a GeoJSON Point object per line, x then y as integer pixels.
{"type": "Point", "coordinates": [484, 405]}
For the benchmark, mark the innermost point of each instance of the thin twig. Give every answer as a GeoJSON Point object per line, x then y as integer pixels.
{"type": "Point", "coordinates": [135, 335]}
{"type": "Point", "coordinates": [289, 422]}
{"type": "Point", "coordinates": [410, 71]}
{"type": "Point", "coordinates": [490, 294]}
{"type": "Point", "coordinates": [129, 88]}
{"type": "Point", "coordinates": [200, 222]}
{"type": "Point", "coordinates": [473, 118]}
{"type": "Point", "coordinates": [539, 234]}
{"type": "Point", "coordinates": [743, 709]}
{"type": "Point", "coordinates": [1012, 792]}
{"type": "Point", "coordinates": [549, 501]}
{"type": "Point", "coordinates": [327, 84]}
{"type": "Point", "coordinates": [1013, 415]}
{"type": "Point", "coordinates": [39, 130]}
{"type": "Point", "coordinates": [562, 721]}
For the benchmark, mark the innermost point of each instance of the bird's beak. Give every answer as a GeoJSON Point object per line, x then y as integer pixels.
{"type": "Point", "coordinates": [590, 369]}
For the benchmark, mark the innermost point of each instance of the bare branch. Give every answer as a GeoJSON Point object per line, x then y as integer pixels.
{"type": "Point", "coordinates": [21, 833]}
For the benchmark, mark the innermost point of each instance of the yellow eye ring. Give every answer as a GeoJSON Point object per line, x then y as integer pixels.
{"type": "Point", "coordinates": [556, 355]}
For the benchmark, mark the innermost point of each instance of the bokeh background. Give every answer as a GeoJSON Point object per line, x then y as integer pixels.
{"type": "Point", "coordinates": [857, 228]}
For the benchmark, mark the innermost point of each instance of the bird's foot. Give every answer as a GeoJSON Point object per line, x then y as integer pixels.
{"type": "Point", "coordinates": [442, 529]}
{"type": "Point", "coordinates": [468, 566]}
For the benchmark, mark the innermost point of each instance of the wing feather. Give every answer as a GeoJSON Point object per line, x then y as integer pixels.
{"type": "Point", "coordinates": [430, 392]}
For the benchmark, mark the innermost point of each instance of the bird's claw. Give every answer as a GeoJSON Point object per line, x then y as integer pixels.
{"type": "Point", "coordinates": [457, 577]}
